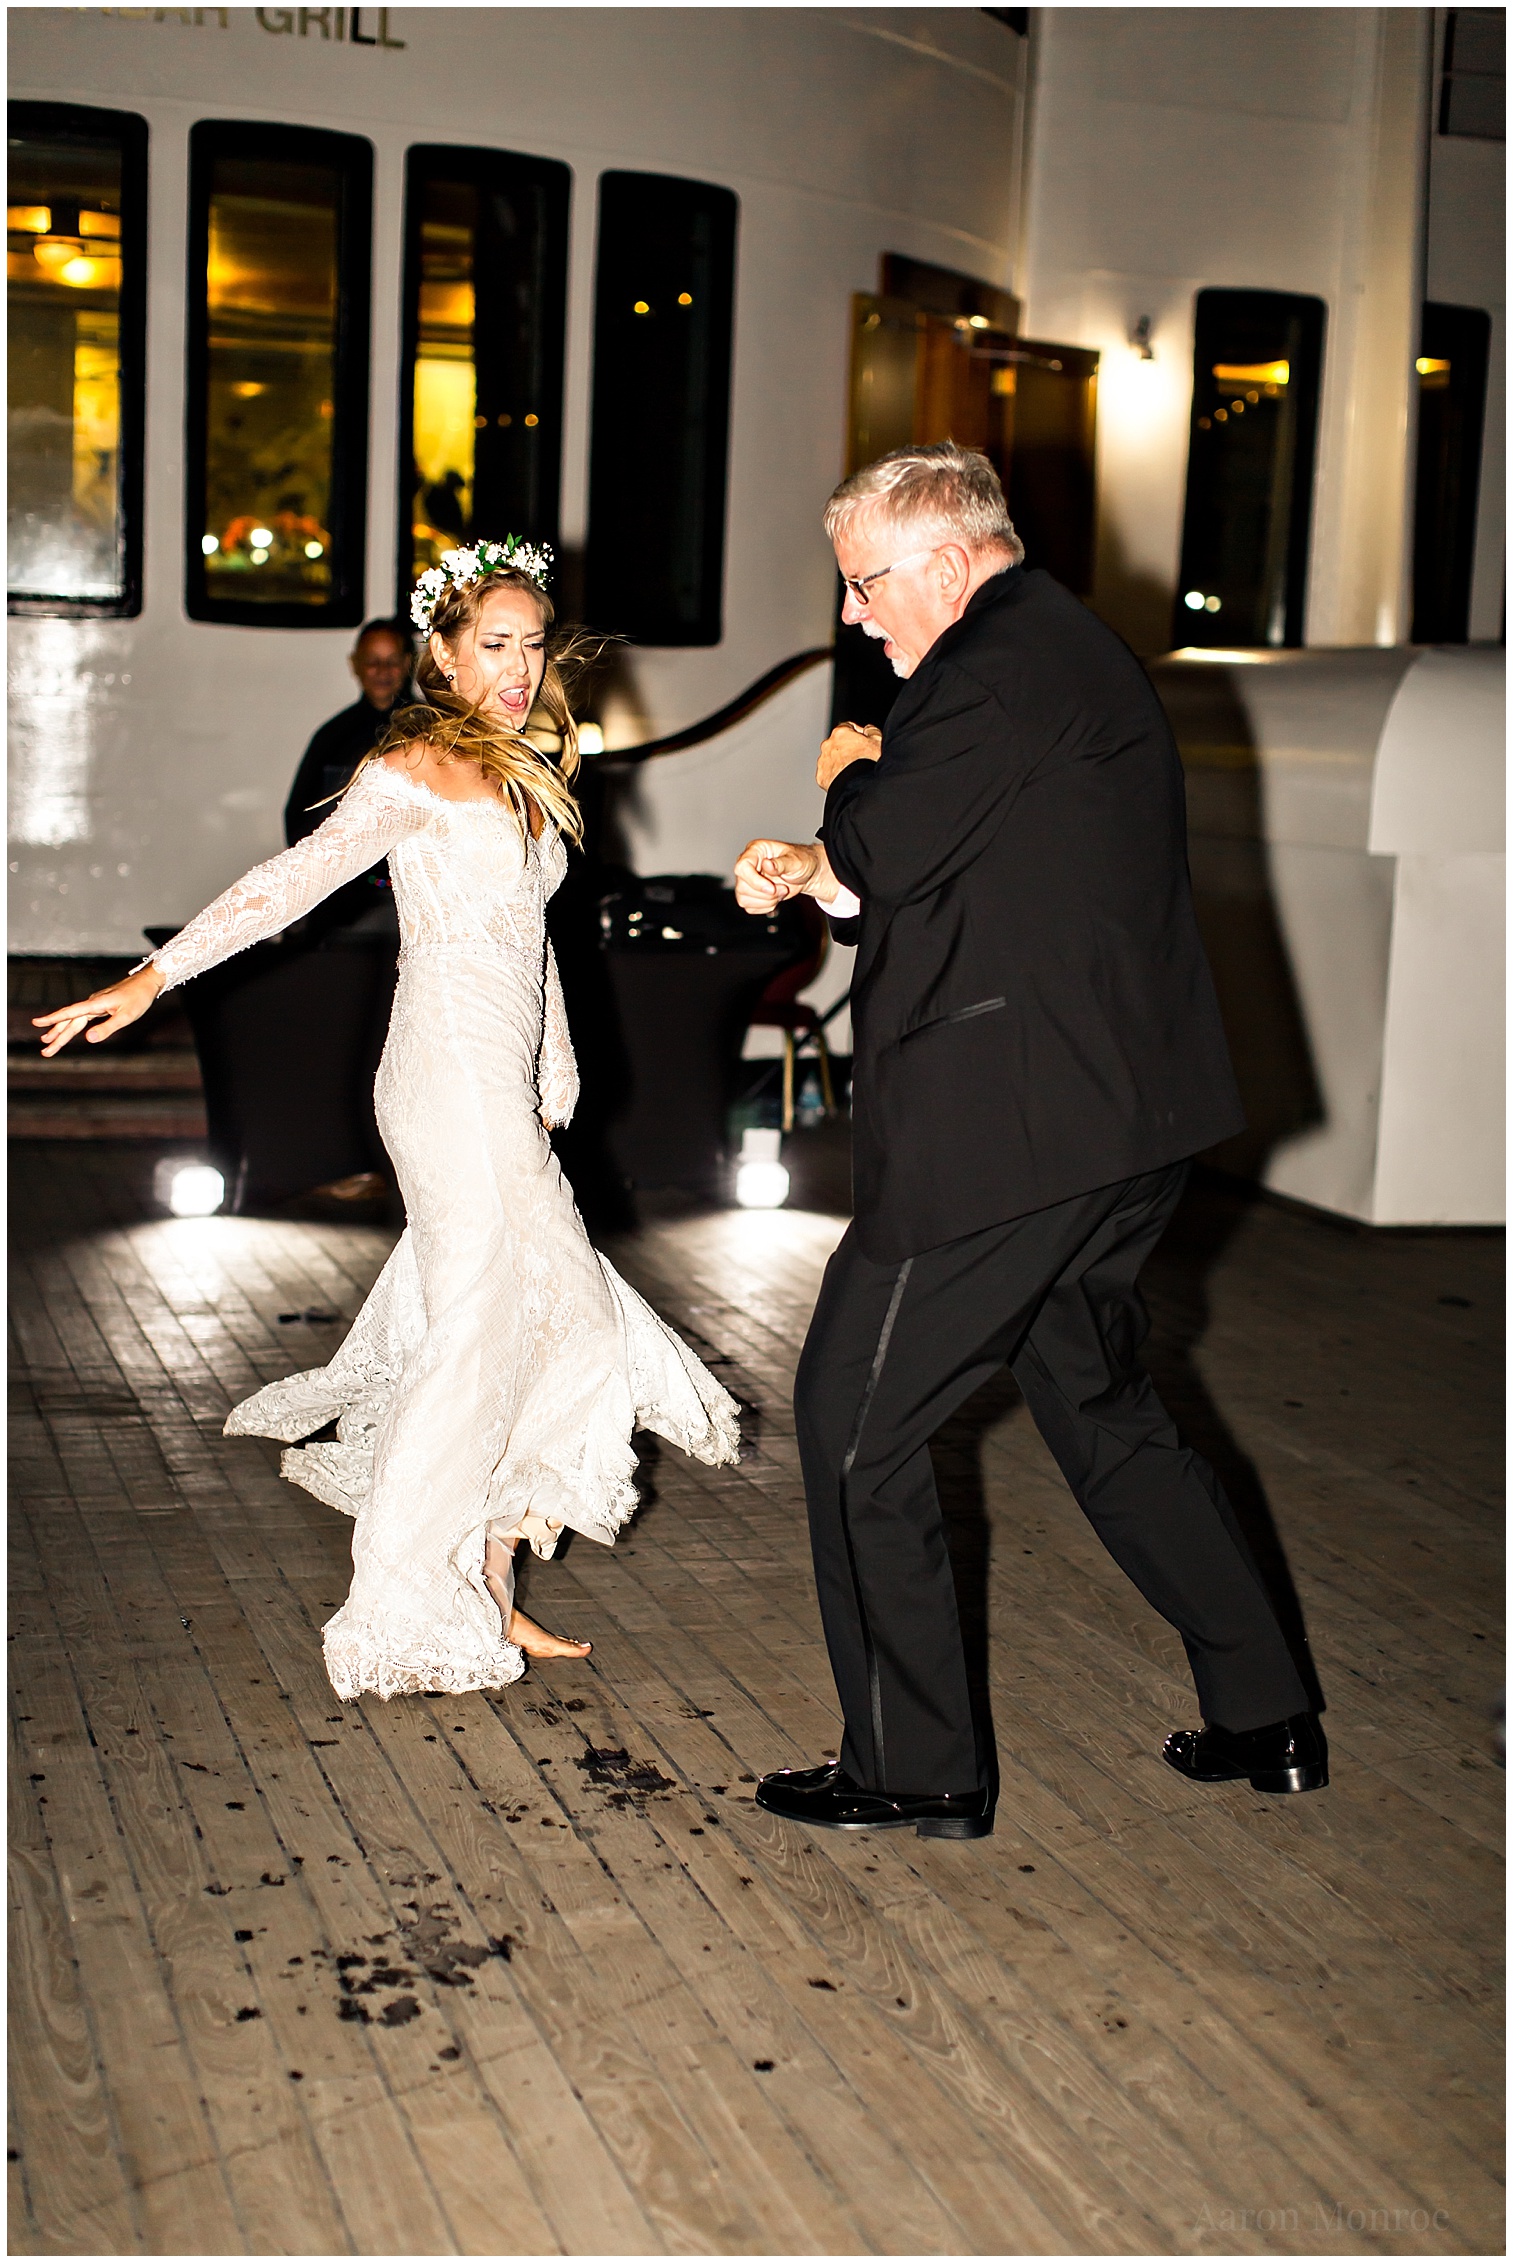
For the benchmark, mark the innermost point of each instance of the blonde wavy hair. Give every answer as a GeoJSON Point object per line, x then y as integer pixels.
{"type": "Point", "coordinates": [462, 732]}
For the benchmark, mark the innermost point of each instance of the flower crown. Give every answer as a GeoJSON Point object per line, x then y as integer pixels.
{"type": "Point", "coordinates": [459, 569]}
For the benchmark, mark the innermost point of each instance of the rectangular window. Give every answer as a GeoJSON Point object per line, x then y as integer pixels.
{"type": "Point", "coordinates": [1257, 359]}
{"type": "Point", "coordinates": [277, 410]}
{"type": "Point", "coordinates": [76, 268]}
{"type": "Point", "coordinates": [662, 335]}
{"type": "Point", "coordinates": [485, 313]}
{"type": "Point", "coordinates": [1454, 348]}
{"type": "Point", "coordinates": [1472, 92]}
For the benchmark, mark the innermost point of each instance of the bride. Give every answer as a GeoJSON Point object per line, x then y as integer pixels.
{"type": "Point", "coordinates": [487, 1392]}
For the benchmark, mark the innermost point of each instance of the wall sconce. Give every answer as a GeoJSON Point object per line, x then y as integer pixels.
{"type": "Point", "coordinates": [1140, 338]}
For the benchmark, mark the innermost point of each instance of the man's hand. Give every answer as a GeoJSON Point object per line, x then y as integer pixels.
{"type": "Point", "coordinates": [767, 873]}
{"type": "Point", "coordinates": [847, 743]}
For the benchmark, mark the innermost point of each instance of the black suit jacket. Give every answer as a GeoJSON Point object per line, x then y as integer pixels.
{"type": "Point", "coordinates": [1033, 1013]}
{"type": "Point", "coordinates": [329, 761]}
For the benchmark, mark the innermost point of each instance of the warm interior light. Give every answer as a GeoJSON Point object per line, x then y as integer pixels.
{"type": "Point", "coordinates": [978, 322]}
{"type": "Point", "coordinates": [28, 219]}
{"type": "Point", "coordinates": [1194, 600]}
{"type": "Point", "coordinates": [315, 550]}
{"type": "Point", "coordinates": [1428, 366]}
{"type": "Point", "coordinates": [590, 738]}
{"type": "Point", "coordinates": [260, 557]}
{"type": "Point", "coordinates": [248, 389]}
{"type": "Point", "coordinates": [685, 298]}
{"type": "Point", "coordinates": [1210, 653]}
{"type": "Point", "coordinates": [640, 307]}
{"type": "Point", "coordinates": [65, 260]}
{"type": "Point", "coordinates": [1252, 372]}
{"type": "Point", "coordinates": [262, 536]}
{"type": "Point", "coordinates": [533, 421]}
{"type": "Point", "coordinates": [209, 543]}
{"type": "Point", "coordinates": [447, 306]}
{"type": "Point", "coordinates": [106, 224]}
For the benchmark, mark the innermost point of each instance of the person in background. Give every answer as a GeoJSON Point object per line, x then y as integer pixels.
{"type": "Point", "coordinates": [381, 660]}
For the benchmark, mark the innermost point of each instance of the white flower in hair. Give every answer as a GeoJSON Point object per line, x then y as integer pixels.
{"type": "Point", "coordinates": [459, 569]}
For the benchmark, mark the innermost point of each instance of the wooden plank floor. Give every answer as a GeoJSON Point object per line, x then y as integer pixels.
{"type": "Point", "coordinates": [530, 1973]}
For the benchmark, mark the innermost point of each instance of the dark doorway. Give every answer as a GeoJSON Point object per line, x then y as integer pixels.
{"type": "Point", "coordinates": [935, 355]}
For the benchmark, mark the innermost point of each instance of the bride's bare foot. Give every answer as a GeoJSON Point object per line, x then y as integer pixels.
{"type": "Point", "coordinates": [537, 1643]}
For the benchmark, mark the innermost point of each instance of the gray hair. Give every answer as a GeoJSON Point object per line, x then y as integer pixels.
{"type": "Point", "coordinates": [940, 485]}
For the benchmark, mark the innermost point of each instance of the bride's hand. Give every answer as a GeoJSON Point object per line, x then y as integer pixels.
{"type": "Point", "coordinates": [115, 1007]}
{"type": "Point", "coordinates": [768, 872]}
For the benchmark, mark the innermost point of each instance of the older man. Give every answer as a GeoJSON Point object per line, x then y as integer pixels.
{"type": "Point", "coordinates": [1038, 1055]}
{"type": "Point", "coordinates": [381, 659]}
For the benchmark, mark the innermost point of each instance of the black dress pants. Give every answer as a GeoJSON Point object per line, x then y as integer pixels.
{"type": "Point", "coordinates": [892, 1351]}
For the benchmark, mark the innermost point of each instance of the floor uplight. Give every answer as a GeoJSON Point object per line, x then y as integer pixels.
{"type": "Point", "coordinates": [189, 1190]}
{"type": "Point", "coordinates": [761, 1181]}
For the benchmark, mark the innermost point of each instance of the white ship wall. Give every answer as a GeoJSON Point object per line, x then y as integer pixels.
{"type": "Point", "coordinates": [151, 758]}
{"type": "Point", "coordinates": [1174, 150]}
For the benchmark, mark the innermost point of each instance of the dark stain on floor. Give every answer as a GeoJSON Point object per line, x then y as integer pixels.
{"type": "Point", "coordinates": [610, 1769]}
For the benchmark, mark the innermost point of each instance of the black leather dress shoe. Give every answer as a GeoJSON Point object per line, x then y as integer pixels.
{"type": "Point", "coordinates": [1287, 1756]}
{"type": "Point", "coordinates": [832, 1801]}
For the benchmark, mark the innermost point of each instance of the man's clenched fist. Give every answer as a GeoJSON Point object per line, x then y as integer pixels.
{"type": "Point", "coordinates": [767, 873]}
{"type": "Point", "coordinates": [847, 743]}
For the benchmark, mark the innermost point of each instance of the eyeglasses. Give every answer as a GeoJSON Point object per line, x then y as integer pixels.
{"type": "Point", "coordinates": [860, 585]}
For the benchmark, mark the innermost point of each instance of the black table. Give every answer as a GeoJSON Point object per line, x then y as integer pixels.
{"type": "Point", "coordinates": [681, 1017]}
{"type": "Point", "coordinates": [289, 1038]}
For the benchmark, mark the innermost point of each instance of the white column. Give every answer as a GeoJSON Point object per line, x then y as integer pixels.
{"type": "Point", "coordinates": [1361, 566]}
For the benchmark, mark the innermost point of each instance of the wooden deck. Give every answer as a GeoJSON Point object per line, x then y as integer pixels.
{"type": "Point", "coordinates": [530, 1974]}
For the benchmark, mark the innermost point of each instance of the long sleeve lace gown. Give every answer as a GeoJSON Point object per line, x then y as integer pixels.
{"type": "Point", "coordinates": [492, 1380]}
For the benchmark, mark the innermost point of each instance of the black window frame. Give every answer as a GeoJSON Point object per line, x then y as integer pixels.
{"type": "Point", "coordinates": [351, 156]}
{"type": "Point", "coordinates": [480, 164]}
{"type": "Point", "coordinates": [1447, 472]}
{"type": "Point", "coordinates": [1458, 77]}
{"type": "Point", "coordinates": [1313, 314]}
{"type": "Point", "coordinates": [86, 122]}
{"type": "Point", "coordinates": [606, 574]}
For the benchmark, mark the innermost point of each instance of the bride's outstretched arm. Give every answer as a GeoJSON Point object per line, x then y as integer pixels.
{"type": "Point", "coordinates": [372, 817]}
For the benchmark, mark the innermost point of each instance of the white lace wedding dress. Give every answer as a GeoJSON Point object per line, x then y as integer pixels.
{"type": "Point", "coordinates": [492, 1380]}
